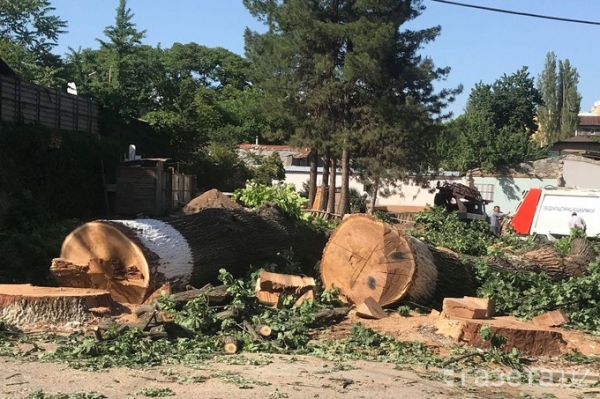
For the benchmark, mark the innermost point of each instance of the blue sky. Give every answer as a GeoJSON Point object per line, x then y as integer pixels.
{"type": "Point", "coordinates": [478, 45]}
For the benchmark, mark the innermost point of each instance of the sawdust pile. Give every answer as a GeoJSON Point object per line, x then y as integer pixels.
{"type": "Point", "coordinates": [210, 199]}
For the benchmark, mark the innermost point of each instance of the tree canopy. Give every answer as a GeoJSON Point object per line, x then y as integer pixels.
{"type": "Point", "coordinates": [497, 127]}
{"type": "Point", "coordinates": [348, 79]}
{"type": "Point", "coordinates": [352, 80]}
{"type": "Point", "coordinates": [561, 102]}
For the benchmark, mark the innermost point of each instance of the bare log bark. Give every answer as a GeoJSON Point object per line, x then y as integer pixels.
{"type": "Point", "coordinates": [546, 259]}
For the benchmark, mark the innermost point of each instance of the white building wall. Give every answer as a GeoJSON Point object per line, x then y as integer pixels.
{"type": "Point", "coordinates": [412, 193]}
{"type": "Point", "coordinates": [299, 175]}
{"type": "Point", "coordinates": [508, 191]}
{"type": "Point", "coordinates": [581, 173]}
{"type": "Point", "coordinates": [408, 193]}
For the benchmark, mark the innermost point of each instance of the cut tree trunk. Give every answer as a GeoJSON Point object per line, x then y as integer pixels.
{"type": "Point", "coordinates": [322, 206]}
{"type": "Point", "coordinates": [24, 304]}
{"type": "Point", "coordinates": [368, 258]}
{"type": "Point", "coordinates": [133, 258]}
{"type": "Point", "coordinates": [345, 192]}
{"type": "Point", "coordinates": [546, 259]}
{"type": "Point", "coordinates": [365, 257]}
{"type": "Point", "coordinates": [578, 261]}
{"type": "Point", "coordinates": [331, 195]}
{"type": "Point", "coordinates": [312, 182]}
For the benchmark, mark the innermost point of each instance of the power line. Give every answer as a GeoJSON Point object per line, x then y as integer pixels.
{"type": "Point", "coordinates": [526, 14]}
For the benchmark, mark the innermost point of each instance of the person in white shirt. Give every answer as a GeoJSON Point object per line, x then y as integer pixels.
{"type": "Point", "coordinates": [576, 221]}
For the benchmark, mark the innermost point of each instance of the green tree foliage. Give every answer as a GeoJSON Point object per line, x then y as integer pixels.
{"type": "Point", "coordinates": [122, 74]}
{"type": "Point", "coordinates": [558, 114]}
{"type": "Point", "coordinates": [571, 99]}
{"type": "Point", "coordinates": [351, 79]}
{"type": "Point", "coordinates": [496, 129]}
{"type": "Point", "coordinates": [266, 168]}
{"type": "Point", "coordinates": [28, 33]}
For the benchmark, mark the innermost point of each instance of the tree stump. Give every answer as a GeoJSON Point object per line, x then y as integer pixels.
{"type": "Point", "coordinates": [133, 258]}
{"type": "Point", "coordinates": [24, 304]}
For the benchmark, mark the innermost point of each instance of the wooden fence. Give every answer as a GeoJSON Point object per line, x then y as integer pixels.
{"type": "Point", "coordinates": [29, 103]}
{"type": "Point", "coordinates": [153, 191]}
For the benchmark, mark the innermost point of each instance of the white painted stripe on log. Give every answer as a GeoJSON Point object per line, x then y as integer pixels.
{"type": "Point", "coordinates": [176, 261]}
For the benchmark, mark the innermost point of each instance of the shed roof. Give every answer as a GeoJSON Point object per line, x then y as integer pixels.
{"type": "Point", "coordinates": [589, 120]}
{"type": "Point", "coordinates": [578, 139]}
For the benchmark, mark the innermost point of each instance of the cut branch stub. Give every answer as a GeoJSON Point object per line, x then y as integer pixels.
{"type": "Point", "coordinates": [367, 258]}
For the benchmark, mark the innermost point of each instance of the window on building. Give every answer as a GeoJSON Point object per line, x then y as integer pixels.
{"type": "Point", "coordinates": [486, 190]}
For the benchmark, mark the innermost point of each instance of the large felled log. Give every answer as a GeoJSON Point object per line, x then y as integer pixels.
{"type": "Point", "coordinates": [132, 258]}
{"type": "Point", "coordinates": [24, 304]}
{"type": "Point", "coordinates": [368, 258]}
{"type": "Point", "coordinates": [546, 259]}
{"type": "Point", "coordinates": [456, 277]}
{"type": "Point", "coordinates": [582, 253]}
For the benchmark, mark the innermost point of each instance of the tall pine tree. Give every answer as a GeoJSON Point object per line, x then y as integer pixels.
{"type": "Point", "coordinates": [561, 102]}
{"type": "Point", "coordinates": [355, 82]}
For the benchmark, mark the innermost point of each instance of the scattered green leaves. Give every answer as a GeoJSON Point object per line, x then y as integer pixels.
{"type": "Point", "coordinates": [79, 395]}
{"type": "Point", "coordinates": [157, 392]}
{"type": "Point", "coordinates": [283, 195]}
{"type": "Point", "coordinates": [239, 380]}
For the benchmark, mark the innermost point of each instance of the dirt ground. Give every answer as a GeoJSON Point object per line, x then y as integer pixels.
{"type": "Point", "coordinates": [281, 376]}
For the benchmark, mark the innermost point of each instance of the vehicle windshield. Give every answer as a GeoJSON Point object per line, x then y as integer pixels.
{"type": "Point", "coordinates": [474, 207]}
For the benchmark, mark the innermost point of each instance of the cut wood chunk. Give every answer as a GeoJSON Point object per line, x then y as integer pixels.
{"type": "Point", "coordinates": [267, 298]}
{"type": "Point", "coordinates": [308, 295]}
{"type": "Point", "coordinates": [278, 282]}
{"type": "Point", "coordinates": [263, 330]}
{"type": "Point", "coordinates": [270, 288]}
{"type": "Point", "coordinates": [464, 308]}
{"type": "Point", "coordinates": [133, 258]}
{"type": "Point", "coordinates": [487, 303]}
{"type": "Point", "coordinates": [23, 304]}
{"type": "Point", "coordinates": [555, 318]}
{"type": "Point", "coordinates": [370, 309]}
{"type": "Point", "coordinates": [230, 345]}
{"type": "Point", "coordinates": [165, 290]}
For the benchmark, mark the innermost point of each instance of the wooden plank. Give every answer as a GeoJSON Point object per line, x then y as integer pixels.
{"type": "Point", "coordinates": [29, 113]}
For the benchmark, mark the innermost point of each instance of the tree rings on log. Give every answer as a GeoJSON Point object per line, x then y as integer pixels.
{"type": "Point", "coordinates": [368, 258]}
{"type": "Point", "coordinates": [121, 257]}
{"type": "Point", "coordinates": [24, 304]}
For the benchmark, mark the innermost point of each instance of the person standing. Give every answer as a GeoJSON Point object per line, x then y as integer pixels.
{"type": "Point", "coordinates": [577, 221]}
{"type": "Point", "coordinates": [496, 221]}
